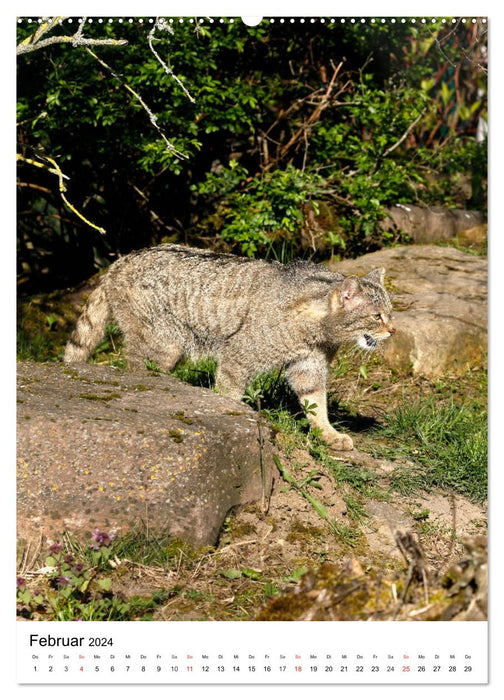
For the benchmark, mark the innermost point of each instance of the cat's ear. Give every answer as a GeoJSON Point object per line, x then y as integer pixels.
{"type": "Point", "coordinates": [377, 275]}
{"type": "Point", "coordinates": [348, 295]}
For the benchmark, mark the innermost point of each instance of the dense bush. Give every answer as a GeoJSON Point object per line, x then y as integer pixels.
{"type": "Point", "coordinates": [251, 133]}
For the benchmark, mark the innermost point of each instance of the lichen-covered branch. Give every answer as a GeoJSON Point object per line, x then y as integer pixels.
{"type": "Point", "coordinates": [34, 42]}
{"type": "Point", "coordinates": [152, 116]}
{"type": "Point", "coordinates": [162, 25]}
{"type": "Point", "coordinates": [56, 170]}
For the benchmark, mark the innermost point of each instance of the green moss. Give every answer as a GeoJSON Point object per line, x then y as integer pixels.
{"type": "Point", "coordinates": [176, 436]}
{"type": "Point", "coordinates": [301, 531]}
{"type": "Point", "coordinates": [344, 597]}
{"type": "Point", "coordinates": [43, 327]}
{"type": "Point", "coordinates": [179, 415]}
{"type": "Point", "coordinates": [239, 531]}
{"type": "Point", "coordinates": [96, 397]}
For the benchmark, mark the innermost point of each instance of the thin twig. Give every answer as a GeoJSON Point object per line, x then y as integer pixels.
{"type": "Point", "coordinates": [152, 116]}
{"type": "Point", "coordinates": [33, 186]}
{"type": "Point", "coordinates": [405, 135]}
{"type": "Point", "coordinates": [62, 188]}
{"type": "Point", "coordinates": [438, 43]}
{"type": "Point", "coordinates": [265, 501]}
{"type": "Point", "coordinates": [163, 26]}
{"type": "Point", "coordinates": [233, 545]}
{"type": "Point", "coordinates": [322, 103]}
{"type": "Point", "coordinates": [414, 557]}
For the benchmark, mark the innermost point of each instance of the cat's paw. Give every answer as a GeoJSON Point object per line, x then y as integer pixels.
{"type": "Point", "coordinates": [338, 441]}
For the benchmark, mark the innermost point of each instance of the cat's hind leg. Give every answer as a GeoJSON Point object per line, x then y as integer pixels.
{"type": "Point", "coordinates": [141, 345]}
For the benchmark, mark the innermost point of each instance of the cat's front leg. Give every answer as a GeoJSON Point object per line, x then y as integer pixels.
{"type": "Point", "coordinates": [319, 419]}
{"type": "Point", "coordinates": [308, 379]}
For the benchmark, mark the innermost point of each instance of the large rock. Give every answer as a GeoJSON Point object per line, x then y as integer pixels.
{"type": "Point", "coordinates": [430, 224]}
{"type": "Point", "coordinates": [422, 224]}
{"type": "Point", "coordinates": [439, 296]}
{"type": "Point", "coordinates": [103, 448]}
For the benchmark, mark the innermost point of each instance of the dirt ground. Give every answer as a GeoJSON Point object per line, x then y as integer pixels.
{"type": "Point", "coordinates": [320, 549]}
{"type": "Point", "coordinates": [271, 555]}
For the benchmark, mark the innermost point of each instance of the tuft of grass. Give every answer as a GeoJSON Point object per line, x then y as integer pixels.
{"type": "Point", "coordinates": [447, 440]}
{"type": "Point", "coordinates": [144, 547]}
{"type": "Point", "coordinates": [361, 481]}
{"type": "Point", "coordinates": [35, 346]}
{"type": "Point", "coordinates": [109, 350]}
{"type": "Point", "coordinates": [200, 373]}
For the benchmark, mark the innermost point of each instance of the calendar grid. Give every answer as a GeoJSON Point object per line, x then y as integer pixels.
{"type": "Point", "coordinates": [207, 652]}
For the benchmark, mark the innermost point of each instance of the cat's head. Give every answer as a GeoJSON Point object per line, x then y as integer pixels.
{"type": "Point", "coordinates": [362, 310]}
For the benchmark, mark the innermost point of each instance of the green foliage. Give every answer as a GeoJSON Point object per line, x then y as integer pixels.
{"type": "Point", "coordinates": [82, 588]}
{"type": "Point", "coordinates": [277, 128]}
{"type": "Point", "coordinates": [457, 159]}
{"type": "Point", "coordinates": [201, 373]}
{"type": "Point", "coordinates": [36, 346]}
{"type": "Point", "coordinates": [109, 350]}
{"type": "Point", "coordinates": [255, 213]}
{"type": "Point", "coordinates": [43, 326]}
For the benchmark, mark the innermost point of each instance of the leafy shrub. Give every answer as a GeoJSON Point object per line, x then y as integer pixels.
{"type": "Point", "coordinates": [258, 214]}
{"type": "Point", "coordinates": [281, 116]}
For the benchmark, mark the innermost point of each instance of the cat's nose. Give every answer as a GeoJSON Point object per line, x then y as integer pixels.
{"type": "Point", "coordinates": [391, 330]}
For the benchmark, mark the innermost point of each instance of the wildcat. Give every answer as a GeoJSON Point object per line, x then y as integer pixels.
{"type": "Point", "coordinates": [252, 315]}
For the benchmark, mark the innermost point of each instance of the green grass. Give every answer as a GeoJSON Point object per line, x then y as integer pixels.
{"type": "Point", "coordinates": [448, 442]}
{"type": "Point", "coordinates": [201, 373]}
{"type": "Point", "coordinates": [36, 347]}
{"type": "Point", "coordinates": [153, 549]}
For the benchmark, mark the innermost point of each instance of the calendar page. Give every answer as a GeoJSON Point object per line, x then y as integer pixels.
{"type": "Point", "coordinates": [251, 375]}
{"type": "Point", "coordinates": [271, 653]}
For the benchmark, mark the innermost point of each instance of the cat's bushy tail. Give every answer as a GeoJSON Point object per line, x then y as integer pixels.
{"type": "Point", "coordinates": [90, 327]}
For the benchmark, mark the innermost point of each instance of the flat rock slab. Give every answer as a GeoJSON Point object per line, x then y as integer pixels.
{"type": "Point", "coordinates": [439, 296]}
{"type": "Point", "coordinates": [98, 447]}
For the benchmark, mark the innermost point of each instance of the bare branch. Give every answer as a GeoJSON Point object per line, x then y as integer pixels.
{"type": "Point", "coordinates": [62, 188]}
{"type": "Point", "coordinates": [321, 104]}
{"type": "Point", "coordinates": [468, 58]}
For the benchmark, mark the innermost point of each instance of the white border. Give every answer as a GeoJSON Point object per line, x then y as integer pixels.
{"type": "Point", "coordinates": [227, 8]}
